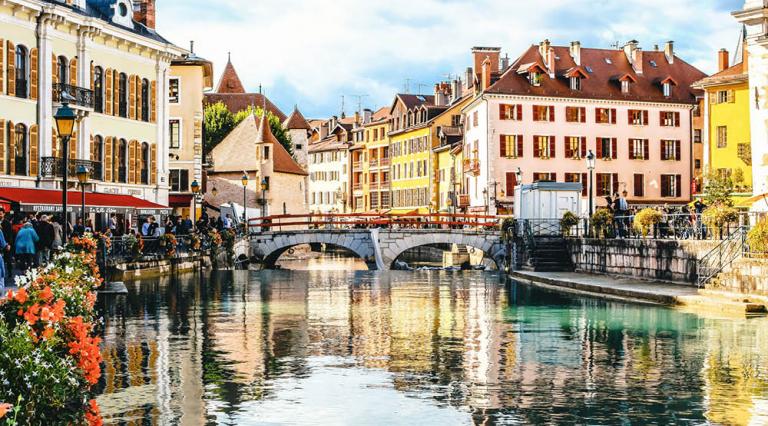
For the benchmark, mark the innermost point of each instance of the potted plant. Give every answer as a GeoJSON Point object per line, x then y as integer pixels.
{"type": "Point", "coordinates": [601, 220]}
{"type": "Point", "coordinates": [568, 221]}
{"type": "Point", "coordinates": [645, 219]}
{"type": "Point", "coordinates": [757, 238]}
{"type": "Point", "coordinates": [719, 215]}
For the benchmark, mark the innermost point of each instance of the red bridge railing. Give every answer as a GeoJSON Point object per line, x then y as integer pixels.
{"type": "Point", "coordinates": [375, 220]}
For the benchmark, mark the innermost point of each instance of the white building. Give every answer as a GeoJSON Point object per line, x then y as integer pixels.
{"type": "Point", "coordinates": [329, 168]}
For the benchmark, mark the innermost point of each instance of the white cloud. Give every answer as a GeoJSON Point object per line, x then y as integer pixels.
{"type": "Point", "coordinates": [317, 50]}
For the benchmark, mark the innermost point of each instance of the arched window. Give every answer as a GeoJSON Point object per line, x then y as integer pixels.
{"type": "Point", "coordinates": [63, 70]}
{"type": "Point", "coordinates": [122, 88]}
{"type": "Point", "coordinates": [145, 163]}
{"type": "Point", "coordinates": [22, 71]}
{"type": "Point", "coordinates": [98, 89]}
{"type": "Point", "coordinates": [20, 151]}
{"type": "Point", "coordinates": [122, 161]}
{"type": "Point", "coordinates": [97, 156]}
{"type": "Point", "coordinates": [145, 100]}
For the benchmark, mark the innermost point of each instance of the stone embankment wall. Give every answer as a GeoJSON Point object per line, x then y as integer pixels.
{"type": "Point", "coordinates": [667, 260]}
{"type": "Point", "coordinates": [748, 276]}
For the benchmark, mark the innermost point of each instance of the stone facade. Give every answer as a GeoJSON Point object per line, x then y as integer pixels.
{"type": "Point", "coordinates": [651, 259]}
{"type": "Point", "coordinates": [748, 276]}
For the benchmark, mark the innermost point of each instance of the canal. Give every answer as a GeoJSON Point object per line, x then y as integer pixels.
{"type": "Point", "coordinates": [347, 346]}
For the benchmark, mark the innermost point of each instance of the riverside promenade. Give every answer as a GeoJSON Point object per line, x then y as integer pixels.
{"type": "Point", "coordinates": [642, 291]}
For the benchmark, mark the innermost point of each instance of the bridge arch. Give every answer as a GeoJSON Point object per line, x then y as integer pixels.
{"type": "Point", "coordinates": [393, 244]}
{"type": "Point", "coordinates": [268, 247]}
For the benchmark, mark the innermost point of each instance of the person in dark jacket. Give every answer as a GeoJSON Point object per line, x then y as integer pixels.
{"type": "Point", "coordinates": [6, 252]}
{"type": "Point", "coordinates": [46, 235]}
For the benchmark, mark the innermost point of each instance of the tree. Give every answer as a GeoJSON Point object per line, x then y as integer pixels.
{"type": "Point", "coordinates": [718, 189]}
{"type": "Point", "coordinates": [218, 122]}
{"type": "Point", "coordinates": [275, 125]}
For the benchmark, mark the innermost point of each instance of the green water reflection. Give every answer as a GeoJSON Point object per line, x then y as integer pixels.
{"type": "Point", "coordinates": [358, 347]}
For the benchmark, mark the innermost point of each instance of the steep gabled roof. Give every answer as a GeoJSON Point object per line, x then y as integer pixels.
{"type": "Point", "coordinates": [602, 67]}
{"type": "Point", "coordinates": [230, 81]}
{"type": "Point", "coordinates": [732, 75]}
{"type": "Point", "coordinates": [296, 121]}
{"type": "Point", "coordinates": [282, 161]}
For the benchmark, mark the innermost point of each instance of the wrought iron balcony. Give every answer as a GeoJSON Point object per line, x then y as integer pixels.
{"type": "Point", "coordinates": [471, 166]}
{"type": "Point", "coordinates": [53, 167]}
{"type": "Point", "coordinates": [77, 96]}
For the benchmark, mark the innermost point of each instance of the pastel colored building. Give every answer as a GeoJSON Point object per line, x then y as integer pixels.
{"type": "Point", "coordinates": [329, 167]}
{"type": "Point", "coordinates": [544, 113]}
{"type": "Point", "coordinates": [728, 151]}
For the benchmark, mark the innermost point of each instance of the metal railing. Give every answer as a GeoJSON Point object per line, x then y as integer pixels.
{"type": "Point", "coordinates": [73, 95]}
{"type": "Point", "coordinates": [53, 167]}
{"type": "Point", "coordinates": [482, 223]}
{"type": "Point", "coordinates": [124, 248]}
{"type": "Point", "coordinates": [713, 263]}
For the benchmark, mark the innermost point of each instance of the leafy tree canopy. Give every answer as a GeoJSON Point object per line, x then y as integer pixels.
{"type": "Point", "coordinates": [718, 189]}
{"type": "Point", "coordinates": [219, 121]}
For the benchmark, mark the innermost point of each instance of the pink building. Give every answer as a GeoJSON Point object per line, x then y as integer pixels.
{"type": "Point", "coordinates": [554, 104]}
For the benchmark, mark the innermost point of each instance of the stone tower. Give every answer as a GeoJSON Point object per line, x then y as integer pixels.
{"type": "Point", "coordinates": [298, 129]}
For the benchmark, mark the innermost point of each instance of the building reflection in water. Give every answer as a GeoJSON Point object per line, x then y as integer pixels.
{"type": "Point", "coordinates": [243, 345]}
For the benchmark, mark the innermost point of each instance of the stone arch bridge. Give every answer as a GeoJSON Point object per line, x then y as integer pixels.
{"type": "Point", "coordinates": [378, 247]}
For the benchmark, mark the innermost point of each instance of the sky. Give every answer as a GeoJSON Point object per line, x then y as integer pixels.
{"type": "Point", "coordinates": [310, 53]}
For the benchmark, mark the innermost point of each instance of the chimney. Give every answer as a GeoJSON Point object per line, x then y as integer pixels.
{"type": "Point", "coordinates": [367, 116]}
{"type": "Point", "coordinates": [357, 117]}
{"type": "Point", "coordinates": [576, 52]}
{"type": "Point", "coordinates": [634, 56]}
{"type": "Point", "coordinates": [479, 56]}
{"type": "Point", "coordinates": [144, 13]}
{"type": "Point", "coordinates": [544, 49]}
{"type": "Point", "coordinates": [744, 57]}
{"type": "Point", "coordinates": [669, 51]}
{"type": "Point", "coordinates": [485, 78]}
{"type": "Point", "coordinates": [455, 90]}
{"type": "Point", "coordinates": [469, 78]}
{"type": "Point", "coordinates": [504, 63]}
{"type": "Point", "coordinates": [551, 62]}
{"type": "Point", "coordinates": [722, 60]}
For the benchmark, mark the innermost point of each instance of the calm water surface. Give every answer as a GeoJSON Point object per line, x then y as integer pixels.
{"type": "Point", "coordinates": [359, 347]}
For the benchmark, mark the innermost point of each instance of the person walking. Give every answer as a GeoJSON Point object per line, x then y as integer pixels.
{"type": "Point", "coordinates": [45, 232]}
{"type": "Point", "coordinates": [25, 246]}
{"type": "Point", "coordinates": [6, 252]}
{"type": "Point", "coordinates": [58, 234]}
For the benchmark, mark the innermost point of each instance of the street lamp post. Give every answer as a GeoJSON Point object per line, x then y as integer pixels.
{"type": "Point", "coordinates": [65, 122]}
{"type": "Point", "coordinates": [82, 177]}
{"type": "Point", "coordinates": [244, 180]}
{"type": "Point", "coordinates": [195, 191]}
{"type": "Point", "coordinates": [591, 168]}
{"type": "Point", "coordinates": [264, 197]}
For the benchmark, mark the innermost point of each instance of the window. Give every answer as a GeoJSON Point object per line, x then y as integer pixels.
{"type": "Point", "coordinates": [669, 119]}
{"type": "Point", "coordinates": [697, 136]}
{"type": "Point", "coordinates": [638, 149]}
{"type": "Point", "coordinates": [98, 89]}
{"type": "Point", "coordinates": [543, 113]}
{"type": "Point", "coordinates": [511, 146]}
{"type": "Point", "coordinates": [697, 164]}
{"type": "Point", "coordinates": [511, 183]}
{"type": "Point", "coordinates": [179, 180]}
{"type": "Point", "coordinates": [607, 184]}
{"type": "Point", "coordinates": [173, 90]}
{"type": "Point", "coordinates": [670, 150]}
{"type": "Point", "coordinates": [578, 178]}
{"type": "Point", "coordinates": [122, 161]}
{"type": "Point", "coordinates": [63, 70]}
{"type": "Point", "coordinates": [638, 117]}
{"type": "Point", "coordinates": [145, 163]}
{"type": "Point", "coordinates": [511, 112]}
{"type": "Point", "coordinates": [625, 86]}
{"type": "Point", "coordinates": [266, 152]}
{"type": "Point", "coordinates": [605, 115]}
{"type": "Point", "coordinates": [671, 186]}
{"type": "Point", "coordinates": [722, 136]}
{"type": "Point", "coordinates": [97, 156]}
{"type": "Point", "coordinates": [606, 148]}
{"type": "Point", "coordinates": [639, 185]}
{"type": "Point", "coordinates": [20, 151]}
{"type": "Point", "coordinates": [576, 114]}
{"type": "Point", "coordinates": [122, 88]}
{"type": "Point", "coordinates": [22, 70]}
{"type": "Point", "coordinates": [534, 78]}
{"type": "Point", "coordinates": [544, 177]}
{"type": "Point", "coordinates": [475, 119]}
{"type": "Point", "coordinates": [667, 89]}
{"type": "Point", "coordinates": [144, 100]}
{"type": "Point", "coordinates": [575, 83]}
{"type": "Point", "coordinates": [174, 126]}
{"type": "Point", "coordinates": [575, 147]}
{"type": "Point", "coordinates": [544, 146]}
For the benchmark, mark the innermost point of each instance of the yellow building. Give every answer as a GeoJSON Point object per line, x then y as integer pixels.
{"type": "Point", "coordinates": [727, 149]}
{"type": "Point", "coordinates": [376, 168]}
{"type": "Point", "coordinates": [447, 135]}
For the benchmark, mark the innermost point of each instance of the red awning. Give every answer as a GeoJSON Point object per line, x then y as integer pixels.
{"type": "Point", "coordinates": [179, 200]}
{"type": "Point", "coordinates": [46, 200]}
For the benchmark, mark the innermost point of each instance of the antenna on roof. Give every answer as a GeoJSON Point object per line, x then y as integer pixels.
{"type": "Point", "coordinates": [359, 101]}
{"type": "Point", "coordinates": [420, 85]}
{"type": "Point", "coordinates": [260, 88]}
{"type": "Point", "coordinates": [407, 85]}
{"type": "Point", "coordinates": [192, 47]}
{"type": "Point", "coordinates": [229, 56]}
{"type": "Point", "coordinates": [342, 106]}
{"type": "Point", "coordinates": [616, 45]}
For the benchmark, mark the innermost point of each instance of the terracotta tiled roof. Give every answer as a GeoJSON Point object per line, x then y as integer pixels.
{"type": "Point", "coordinates": [296, 121]}
{"type": "Point", "coordinates": [411, 101]}
{"type": "Point", "coordinates": [328, 144]}
{"type": "Point", "coordinates": [236, 102]}
{"type": "Point", "coordinates": [282, 161]}
{"type": "Point", "coordinates": [380, 114]}
{"type": "Point", "coordinates": [731, 74]}
{"type": "Point", "coordinates": [604, 67]}
{"type": "Point", "coordinates": [230, 81]}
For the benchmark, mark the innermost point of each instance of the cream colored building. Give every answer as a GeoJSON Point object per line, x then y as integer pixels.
{"type": "Point", "coordinates": [329, 168]}
{"type": "Point", "coordinates": [107, 56]}
{"type": "Point", "coordinates": [190, 77]}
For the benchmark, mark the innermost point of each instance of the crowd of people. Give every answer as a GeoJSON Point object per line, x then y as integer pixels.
{"type": "Point", "coordinates": [678, 222]}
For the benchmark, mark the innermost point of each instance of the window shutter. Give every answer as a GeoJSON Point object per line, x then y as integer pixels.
{"type": "Point", "coordinates": [2, 140]}
{"type": "Point", "coordinates": [678, 186]}
{"type": "Point", "coordinates": [614, 148]}
{"type": "Point", "coordinates": [34, 145]}
{"type": "Point", "coordinates": [11, 76]}
{"type": "Point", "coordinates": [2, 76]}
{"type": "Point", "coordinates": [115, 92]}
{"type": "Point", "coordinates": [552, 147]}
{"type": "Point", "coordinates": [645, 117]}
{"type": "Point", "coordinates": [638, 185]}
{"type": "Point", "coordinates": [615, 182]}
{"type": "Point", "coordinates": [519, 109]}
{"type": "Point", "coordinates": [73, 146]}
{"type": "Point", "coordinates": [646, 149]}
{"type": "Point", "coordinates": [583, 145]}
{"type": "Point", "coordinates": [93, 149]}
{"type": "Point", "coordinates": [55, 65]}
{"type": "Point", "coordinates": [677, 119]}
{"type": "Point", "coordinates": [108, 92]}
{"type": "Point", "coordinates": [553, 176]}
{"type": "Point", "coordinates": [511, 183]}
{"type": "Point", "coordinates": [568, 150]}
{"type": "Point", "coordinates": [152, 166]}
{"type": "Point", "coordinates": [731, 96]}
{"type": "Point", "coordinates": [93, 76]}
{"type": "Point", "coordinates": [629, 116]}
{"type": "Point", "coordinates": [11, 148]}
{"type": "Point", "coordinates": [678, 150]}
{"type": "Point", "coordinates": [661, 118]}
{"type": "Point", "coordinates": [132, 97]}
{"type": "Point", "coordinates": [664, 185]}
{"type": "Point", "coordinates": [584, 184]}
{"type": "Point", "coordinates": [536, 153]}
{"type": "Point", "coordinates": [597, 115]}
{"type": "Point", "coordinates": [662, 153]}
{"type": "Point", "coordinates": [502, 146]}
{"type": "Point", "coordinates": [519, 152]}
{"type": "Point", "coordinates": [613, 115]}
{"type": "Point", "coordinates": [73, 71]}
{"type": "Point", "coordinates": [501, 111]}
{"type": "Point", "coordinates": [631, 147]}
{"type": "Point", "coordinates": [535, 113]}
{"type": "Point", "coordinates": [108, 159]}
{"type": "Point", "coordinates": [153, 103]}
{"type": "Point", "coordinates": [33, 75]}
{"type": "Point", "coordinates": [599, 148]}
{"type": "Point", "coordinates": [137, 162]}
{"type": "Point", "coordinates": [55, 142]}
{"type": "Point", "coordinates": [551, 113]}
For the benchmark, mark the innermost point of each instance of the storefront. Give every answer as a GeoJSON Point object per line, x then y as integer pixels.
{"type": "Point", "coordinates": [99, 207]}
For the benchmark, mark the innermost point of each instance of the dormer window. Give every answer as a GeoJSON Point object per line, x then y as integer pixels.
{"type": "Point", "coordinates": [534, 78]}
{"type": "Point", "coordinates": [667, 89]}
{"type": "Point", "coordinates": [625, 87]}
{"type": "Point", "coordinates": [666, 86]}
{"type": "Point", "coordinates": [626, 81]}
{"type": "Point", "coordinates": [575, 83]}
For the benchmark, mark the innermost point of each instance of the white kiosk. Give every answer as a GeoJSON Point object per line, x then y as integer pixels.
{"type": "Point", "coordinates": [545, 203]}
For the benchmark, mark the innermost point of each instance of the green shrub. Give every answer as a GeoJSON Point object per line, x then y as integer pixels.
{"type": "Point", "coordinates": [601, 220]}
{"type": "Point", "coordinates": [645, 219]}
{"type": "Point", "coordinates": [757, 238]}
{"type": "Point", "coordinates": [719, 215]}
{"type": "Point", "coordinates": [568, 221]}
{"type": "Point", "coordinates": [507, 227]}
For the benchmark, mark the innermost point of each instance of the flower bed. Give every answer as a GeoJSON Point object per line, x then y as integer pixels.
{"type": "Point", "coordinates": [49, 355]}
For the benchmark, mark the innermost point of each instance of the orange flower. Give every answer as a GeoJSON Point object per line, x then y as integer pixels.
{"type": "Point", "coordinates": [32, 314]}
{"type": "Point", "coordinates": [47, 333]}
{"type": "Point", "coordinates": [46, 295]}
{"type": "Point", "coordinates": [92, 415]}
{"type": "Point", "coordinates": [21, 296]}
{"type": "Point", "coordinates": [4, 408]}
